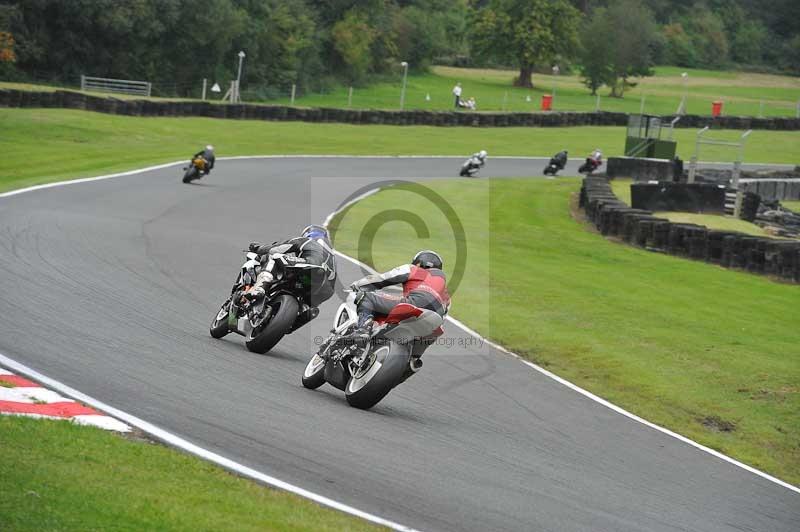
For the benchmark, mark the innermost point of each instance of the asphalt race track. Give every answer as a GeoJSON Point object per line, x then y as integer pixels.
{"type": "Point", "coordinates": [109, 287]}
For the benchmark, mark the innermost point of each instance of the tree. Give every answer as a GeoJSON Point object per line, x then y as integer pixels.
{"type": "Point", "coordinates": [352, 39]}
{"type": "Point", "coordinates": [596, 53]}
{"type": "Point", "coordinates": [525, 33]}
{"type": "Point", "coordinates": [617, 46]}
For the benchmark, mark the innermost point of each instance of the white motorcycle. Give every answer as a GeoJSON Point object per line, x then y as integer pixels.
{"type": "Point", "coordinates": [367, 370]}
{"type": "Point", "coordinates": [471, 166]}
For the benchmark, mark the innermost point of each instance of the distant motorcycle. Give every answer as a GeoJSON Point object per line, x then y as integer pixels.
{"type": "Point", "coordinates": [471, 166]}
{"type": "Point", "coordinates": [368, 370]}
{"type": "Point", "coordinates": [197, 168]}
{"type": "Point", "coordinates": [553, 167]}
{"type": "Point", "coordinates": [282, 310]}
{"type": "Point", "coordinates": [590, 166]}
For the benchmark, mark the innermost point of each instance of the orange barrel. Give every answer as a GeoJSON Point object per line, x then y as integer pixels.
{"type": "Point", "coordinates": [547, 102]}
{"type": "Point", "coordinates": [716, 108]}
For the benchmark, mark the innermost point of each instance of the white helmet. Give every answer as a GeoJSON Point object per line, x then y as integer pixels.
{"type": "Point", "coordinates": [482, 154]}
{"type": "Point", "coordinates": [210, 147]}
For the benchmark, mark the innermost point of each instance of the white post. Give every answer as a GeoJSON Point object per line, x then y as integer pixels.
{"type": "Point", "coordinates": [403, 91]}
{"type": "Point", "coordinates": [294, 89]}
{"type": "Point", "coordinates": [597, 104]}
{"type": "Point", "coordinates": [641, 104]}
{"type": "Point", "coordinates": [350, 97]}
{"type": "Point", "coordinates": [682, 106]}
{"type": "Point", "coordinates": [556, 70]}
{"type": "Point", "coordinates": [205, 84]}
{"type": "Point", "coordinates": [693, 160]}
{"type": "Point", "coordinates": [83, 88]}
{"type": "Point", "coordinates": [737, 168]}
{"type": "Point", "coordinates": [149, 89]}
{"type": "Point", "coordinates": [239, 76]}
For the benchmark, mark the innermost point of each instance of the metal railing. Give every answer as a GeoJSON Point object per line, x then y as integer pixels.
{"type": "Point", "coordinates": [120, 86]}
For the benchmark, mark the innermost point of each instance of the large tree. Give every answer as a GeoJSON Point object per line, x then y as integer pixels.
{"type": "Point", "coordinates": [525, 33]}
{"type": "Point", "coordinates": [618, 46]}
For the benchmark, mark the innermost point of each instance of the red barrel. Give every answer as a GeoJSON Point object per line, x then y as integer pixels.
{"type": "Point", "coordinates": [716, 108]}
{"type": "Point", "coordinates": [547, 102]}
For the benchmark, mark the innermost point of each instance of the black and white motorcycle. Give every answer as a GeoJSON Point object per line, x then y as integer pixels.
{"type": "Point", "coordinates": [283, 309]}
{"type": "Point", "coordinates": [367, 370]}
{"type": "Point", "coordinates": [473, 164]}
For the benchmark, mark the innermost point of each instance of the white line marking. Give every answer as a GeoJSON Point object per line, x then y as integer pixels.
{"type": "Point", "coordinates": [176, 441]}
{"type": "Point", "coordinates": [580, 390]}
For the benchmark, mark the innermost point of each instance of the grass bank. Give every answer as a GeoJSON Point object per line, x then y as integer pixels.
{"type": "Point", "coordinates": [42, 145]}
{"type": "Point", "coordinates": [741, 93]}
{"type": "Point", "coordinates": [708, 352]}
{"type": "Point", "coordinates": [55, 475]}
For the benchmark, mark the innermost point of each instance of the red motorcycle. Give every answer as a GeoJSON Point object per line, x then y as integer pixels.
{"type": "Point", "coordinates": [590, 166]}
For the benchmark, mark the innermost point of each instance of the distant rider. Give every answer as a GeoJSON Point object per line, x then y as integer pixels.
{"type": "Point", "coordinates": [597, 156]}
{"type": "Point", "coordinates": [314, 247]}
{"type": "Point", "coordinates": [206, 153]}
{"type": "Point", "coordinates": [481, 157]}
{"type": "Point", "coordinates": [560, 159]}
{"type": "Point", "coordinates": [424, 286]}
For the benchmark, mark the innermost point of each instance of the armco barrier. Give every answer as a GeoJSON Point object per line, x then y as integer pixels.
{"type": "Point", "coordinates": [78, 100]}
{"type": "Point", "coordinates": [638, 227]}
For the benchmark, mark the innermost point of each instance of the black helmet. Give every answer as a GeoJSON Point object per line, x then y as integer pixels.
{"type": "Point", "coordinates": [427, 259]}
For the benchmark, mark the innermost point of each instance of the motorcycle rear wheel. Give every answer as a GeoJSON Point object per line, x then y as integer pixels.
{"type": "Point", "coordinates": [282, 319]}
{"type": "Point", "coordinates": [386, 371]}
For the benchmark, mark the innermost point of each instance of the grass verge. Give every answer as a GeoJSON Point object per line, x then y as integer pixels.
{"type": "Point", "coordinates": [55, 475]}
{"type": "Point", "coordinates": [707, 352]}
{"type": "Point", "coordinates": [43, 145]}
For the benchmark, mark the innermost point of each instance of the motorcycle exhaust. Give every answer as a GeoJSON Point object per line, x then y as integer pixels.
{"type": "Point", "coordinates": [415, 364]}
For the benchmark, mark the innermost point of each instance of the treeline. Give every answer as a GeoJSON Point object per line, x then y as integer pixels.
{"type": "Point", "coordinates": [318, 44]}
{"type": "Point", "coordinates": [314, 43]}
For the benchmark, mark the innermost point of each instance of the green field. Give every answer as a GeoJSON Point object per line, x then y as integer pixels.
{"type": "Point", "coordinates": [741, 93]}
{"type": "Point", "coordinates": [55, 475]}
{"type": "Point", "coordinates": [707, 352]}
{"type": "Point", "coordinates": [42, 145]}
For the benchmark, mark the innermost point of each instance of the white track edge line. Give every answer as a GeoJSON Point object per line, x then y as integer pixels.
{"type": "Point", "coordinates": [541, 370]}
{"type": "Point", "coordinates": [575, 387]}
{"type": "Point", "coordinates": [180, 443]}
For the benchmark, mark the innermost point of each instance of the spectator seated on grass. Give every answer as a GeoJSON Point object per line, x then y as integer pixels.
{"type": "Point", "coordinates": [468, 103]}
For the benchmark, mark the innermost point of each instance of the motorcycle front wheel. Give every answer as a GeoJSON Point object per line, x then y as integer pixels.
{"type": "Point", "coordinates": [314, 374]}
{"type": "Point", "coordinates": [219, 326]}
{"type": "Point", "coordinates": [191, 173]}
{"type": "Point", "coordinates": [385, 370]}
{"type": "Point", "coordinates": [264, 337]}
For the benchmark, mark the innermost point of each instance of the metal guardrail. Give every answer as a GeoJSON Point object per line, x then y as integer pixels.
{"type": "Point", "coordinates": [121, 86]}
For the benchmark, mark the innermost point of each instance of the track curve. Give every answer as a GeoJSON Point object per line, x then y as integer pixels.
{"type": "Point", "coordinates": [110, 286]}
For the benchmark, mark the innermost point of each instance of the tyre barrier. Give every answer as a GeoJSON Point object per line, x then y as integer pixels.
{"type": "Point", "coordinates": [729, 249]}
{"type": "Point", "coordinates": [101, 104]}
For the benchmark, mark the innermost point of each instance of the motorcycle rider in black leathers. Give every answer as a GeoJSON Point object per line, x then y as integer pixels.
{"type": "Point", "coordinates": [560, 159]}
{"type": "Point", "coordinates": [208, 154]}
{"type": "Point", "coordinates": [315, 248]}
